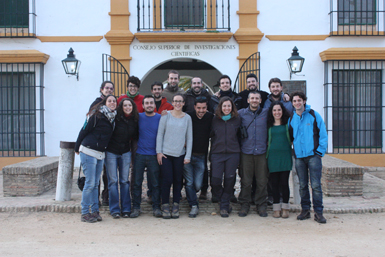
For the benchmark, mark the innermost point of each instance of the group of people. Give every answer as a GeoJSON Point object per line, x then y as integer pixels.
{"type": "Point", "coordinates": [167, 134]}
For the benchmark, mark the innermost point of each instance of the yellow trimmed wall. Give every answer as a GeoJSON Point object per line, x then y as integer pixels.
{"type": "Point", "coordinates": [12, 160]}
{"type": "Point", "coordinates": [371, 160]}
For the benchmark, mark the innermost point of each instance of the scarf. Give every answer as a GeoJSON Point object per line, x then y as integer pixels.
{"type": "Point", "coordinates": [108, 113]}
{"type": "Point", "coordinates": [226, 117]}
{"type": "Point", "coordinates": [132, 96]}
{"type": "Point", "coordinates": [228, 93]}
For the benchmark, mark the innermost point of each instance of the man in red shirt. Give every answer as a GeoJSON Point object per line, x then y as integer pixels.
{"type": "Point", "coordinates": [160, 102]}
{"type": "Point", "coordinates": [133, 84]}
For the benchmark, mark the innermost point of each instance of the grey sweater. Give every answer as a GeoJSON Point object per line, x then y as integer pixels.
{"type": "Point", "coordinates": [174, 136]}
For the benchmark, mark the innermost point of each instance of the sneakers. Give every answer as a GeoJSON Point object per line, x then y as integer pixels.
{"type": "Point", "coordinates": [224, 213]}
{"type": "Point", "coordinates": [88, 218]}
{"type": "Point", "coordinates": [262, 213]}
{"type": "Point", "coordinates": [97, 216]}
{"type": "Point", "coordinates": [135, 213]}
{"type": "Point", "coordinates": [244, 211]}
{"type": "Point", "coordinates": [126, 215]}
{"type": "Point", "coordinates": [194, 211]}
{"type": "Point", "coordinates": [304, 215]}
{"type": "Point", "coordinates": [116, 215]}
{"type": "Point", "coordinates": [157, 213]}
{"type": "Point", "coordinates": [175, 211]}
{"type": "Point", "coordinates": [319, 218]}
{"type": "Point", "coordinates": [166, 211]}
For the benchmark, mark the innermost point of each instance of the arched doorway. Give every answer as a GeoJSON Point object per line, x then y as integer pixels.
{"type": "Point", "coordinates": [187, 68]}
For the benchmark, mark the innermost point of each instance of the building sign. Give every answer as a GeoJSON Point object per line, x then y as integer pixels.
{"type": "Point", "coordinates": [183, 50]}
{"type": "Point", "coordinates": [290, 86]}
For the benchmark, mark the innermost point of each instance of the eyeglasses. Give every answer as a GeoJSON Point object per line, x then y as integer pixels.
{"type": "Point", "coordinates": [178, 101]}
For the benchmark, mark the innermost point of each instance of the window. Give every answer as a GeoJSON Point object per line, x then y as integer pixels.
{"type": "Point", "coordinates": [354, 106]}
{"type": "Point", "coordinates": [357, 18]}
{"type": "Point", "coordinates": [21, 118]}
{"type": "Point", "coordinates": [184, 13]}
{"type": "Point", "coordinates": [356, 12]}
{"type": "Point", "coordinates": [17, 18]}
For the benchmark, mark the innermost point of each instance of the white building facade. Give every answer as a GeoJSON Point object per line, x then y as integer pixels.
{"type": "Point", "coordinates": [342, 42]}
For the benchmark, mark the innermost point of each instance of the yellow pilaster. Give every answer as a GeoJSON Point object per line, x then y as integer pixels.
{"type": "Point", "coordinates": [248, 35]}
{"type": "Point", "coordinates": [120, 36]}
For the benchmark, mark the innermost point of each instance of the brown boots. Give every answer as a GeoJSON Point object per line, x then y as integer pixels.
{"type": "Point", "coordinates": [284, 213]}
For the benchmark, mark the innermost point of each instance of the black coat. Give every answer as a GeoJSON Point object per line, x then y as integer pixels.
{"type": "Point", "coordinates": [224, 135]}
{"type": "Point", "coordinates": [96, 133]}
{"type": "Point", "coordinates": [126, 129]}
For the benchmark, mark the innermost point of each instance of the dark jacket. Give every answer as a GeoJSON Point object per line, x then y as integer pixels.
{"type": "Point", "coordinates": [214, 101]}
{"type": "Point", "coordinates": [224, 135]}
{"type": "Point", "coordinates": [126, 129]}
{"type": "Point", "coordinates": [256, 142]}
{"type": "Point", "coordinates": [95, 134]}
{"type": "Point", "coordinates": [97, 100]}
{"type": "Point", "coordinates": [245, 94]}
{"type": "Point", "coordinates": [288, 105]}
{"type": "Point", "coordinates": [201, 132]}
{"type": "Point", "coordinates": [190, 99]}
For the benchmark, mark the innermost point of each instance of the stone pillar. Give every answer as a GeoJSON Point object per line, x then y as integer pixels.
{"type": "Point", "coordinates": [296, 196]}
{"type": "Point", "coordinates": [65, 172]}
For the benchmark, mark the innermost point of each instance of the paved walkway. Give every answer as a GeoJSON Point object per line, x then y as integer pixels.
{"type": "Point", "coordinates": [373, 200]}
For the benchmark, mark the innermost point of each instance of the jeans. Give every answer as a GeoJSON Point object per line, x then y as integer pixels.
{"type": "Point", "coordinates": [224, 165]}
{"type": "Point", "coordinates": [172, 174]}
{"type": "Point", "coordinates": [193, 174]}
{"type": "Point", "coordinates": [312, 166]}
{"type": "Point", "coordinates": [92, 168]}
{"type": "Point", "coordinates": [151, 162]}
{"type": "Point", "coordinates": [118, 170]}
{"type": "Point", "coordinates": [254, 166]}
{"type": "Point", "coordinates": [205, 182]}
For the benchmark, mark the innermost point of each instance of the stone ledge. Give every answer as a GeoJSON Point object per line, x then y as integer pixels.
{"type": "Point", "coordinates": [32, 167]}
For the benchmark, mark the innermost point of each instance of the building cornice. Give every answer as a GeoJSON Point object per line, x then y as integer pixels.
{"type": "Point", "coordinates": [23, 56]}
{"type": "Point", "coordinates": [354, 53]}
{"type": "Point", "coordinates": [147, 37]}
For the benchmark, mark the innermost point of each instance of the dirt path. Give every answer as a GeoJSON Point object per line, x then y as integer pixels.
{"type": "Point", "coordinates": [61, 234]}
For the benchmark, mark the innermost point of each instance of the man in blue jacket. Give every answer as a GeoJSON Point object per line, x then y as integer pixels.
{"type": "Point", "coordinates": [308, 132]}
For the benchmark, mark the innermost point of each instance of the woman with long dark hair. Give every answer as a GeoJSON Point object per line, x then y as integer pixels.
{"type": "Point", "coordinates": [225, 152]}
{"type": "Point", "coordinates": [91, 144]}
{"type": "Point", "coordinates": [173, 148]}
{"type": "Point", "coordinates": [118, 158]}
{"type": "Point", "coordinates": [279, 159]}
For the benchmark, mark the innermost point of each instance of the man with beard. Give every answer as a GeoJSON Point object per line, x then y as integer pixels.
{"type": "Point", "coordinates": [193, 172]}
{"type": "Point", "coordinates": [252, 85]}
{"type": "Point", "coordinates": [195, 91]}
{"type": "Point", "coordinates": [225, 90]}
{"type": "Point", "coordinates": [172, 85]}
{"type": "Point", "coordinates": [275, 86]}
{"type": "Point", "coordinates": [161, 103]}
{"type": "Point", "coordinates": [253, 156]}
{"type": "Point", "coordinates": [146, 157]}
{"type": "Point", "coordinates": [133, 85]}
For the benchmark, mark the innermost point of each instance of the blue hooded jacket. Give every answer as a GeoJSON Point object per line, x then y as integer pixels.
{"type": "Point", "coordinates": [308, 133]}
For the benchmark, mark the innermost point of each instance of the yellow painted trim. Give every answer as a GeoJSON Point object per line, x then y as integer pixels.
{"type": "Point", "coordinates": [146, 37]}
{"type": "Point", "coordinates": [121, 13]}
{"type": "Point", "coordinates": [118, 37]}
{"type": "Point", "coordinates": [70, 38]}
{"type": "Point", "coordinates": [296, 37]}
{"type": "Point", "coordinates": [357, 33]}
{"type": "Point", "coordinates": [371, 160]}
{"type": "Point", "coordinates": [247, 12]}
{"type": "Point", "coordinates": [354, 53]}
{"type": "Point", "coordinates": [23, 56]}
{"type": "Point", "coordinates": [5, 161]}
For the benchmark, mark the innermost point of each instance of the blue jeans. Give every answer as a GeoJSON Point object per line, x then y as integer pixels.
{"type": "Point", "coordinates": [153, 175]}
{"type": "Point", "coordinates": [92, 168]}
{"type": "Point", "coordinates": [118, 169]}
{"type": "Point", "coordinates": [193, 174]}
{"type": "Point", "coordinates": [312, 166]}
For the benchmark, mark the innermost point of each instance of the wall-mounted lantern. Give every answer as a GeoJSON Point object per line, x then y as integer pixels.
{"type": "Point", "coordinates": [71, 64]}
{"type": "Point", "coordinates": [295, 62]}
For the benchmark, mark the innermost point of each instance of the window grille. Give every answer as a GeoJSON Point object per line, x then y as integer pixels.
{"type": "Point", "coordinates": [357, 18]}
{"type": "Point", "coordinates": [181, 15]}
{"type": "Point", "coordinates": [21, 110]}
{"type": "Point", "coordinates": [354, 106]}
{"type": "Point", "coordinates": [17, 18]}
